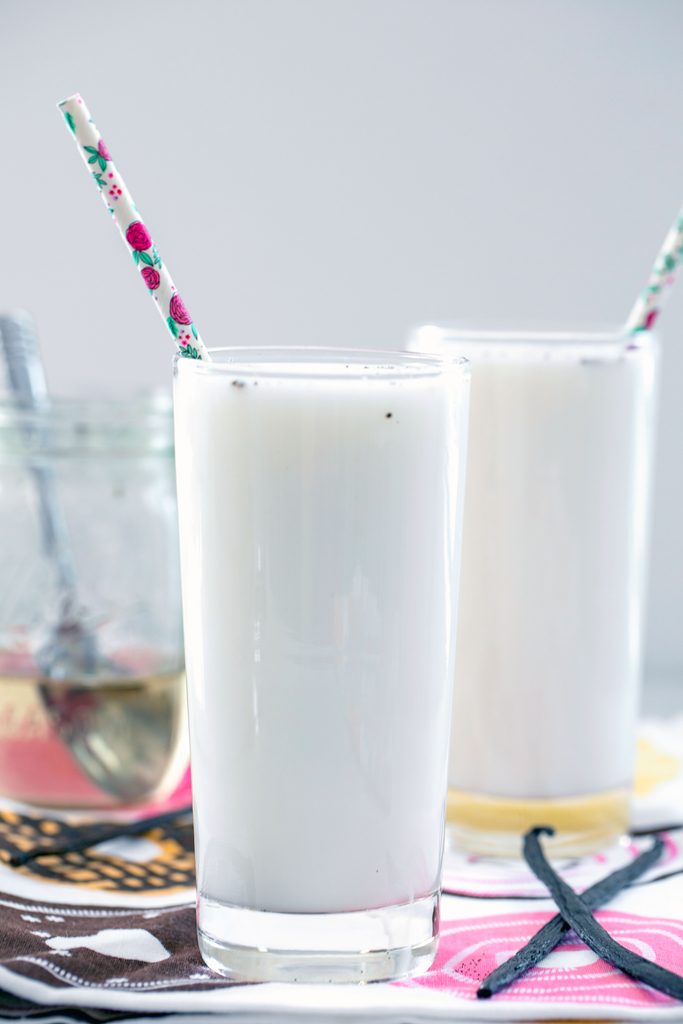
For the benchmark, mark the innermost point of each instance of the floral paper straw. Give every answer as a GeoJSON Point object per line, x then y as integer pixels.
{"type": "Point", "coordinates": [649, 303]}
{"type": "Point", "coordinates": [119, 202]}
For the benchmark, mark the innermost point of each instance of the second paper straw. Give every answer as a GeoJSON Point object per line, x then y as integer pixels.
{"type": "Point", "coordinates": [133, 230]}
{"type": "Point", "coordinates": [648, 305]}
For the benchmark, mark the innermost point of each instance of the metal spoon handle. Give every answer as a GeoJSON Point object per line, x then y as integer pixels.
{"type": "Point", "coordinates": [27, 381]}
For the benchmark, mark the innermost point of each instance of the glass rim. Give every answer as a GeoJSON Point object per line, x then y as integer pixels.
{"type": "Point", "coordinates": [137, 423]}
{"type": "Point", "coordinates": [460, 333]}
{"type": "Point", "coordinates": [305, 362]}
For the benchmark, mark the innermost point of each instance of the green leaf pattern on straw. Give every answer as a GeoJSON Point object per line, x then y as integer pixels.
{"type": "Point", "coordinates": [649, 303]}
{"type": "Point", "coordinates": [119, 202]}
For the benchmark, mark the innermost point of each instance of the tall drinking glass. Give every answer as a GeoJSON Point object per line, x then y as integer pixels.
{"type": "Point", "coordinates": [554, 546]}
{"type": "Point", "coordinates": [320, 505]}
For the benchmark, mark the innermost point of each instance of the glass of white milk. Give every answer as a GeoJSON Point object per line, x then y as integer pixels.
{"type": "Point", "coordinates": [552, 584]}
{"type": "Point", "coordinates": [320, 503]}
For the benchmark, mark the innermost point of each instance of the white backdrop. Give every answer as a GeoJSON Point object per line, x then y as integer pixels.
{"type": "Point", "coordinates": [333, 171]}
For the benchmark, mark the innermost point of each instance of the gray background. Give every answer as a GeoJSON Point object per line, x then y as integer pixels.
{"type": "Point", "coordinates": [332, 171]}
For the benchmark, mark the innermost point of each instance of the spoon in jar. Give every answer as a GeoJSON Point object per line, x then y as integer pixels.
{"type": "Point", "coordinates": [101, 726]}
{"type": "Point", "coordinates": [71, 649]}
{"type": "Point", "coordinates": [116, 727]}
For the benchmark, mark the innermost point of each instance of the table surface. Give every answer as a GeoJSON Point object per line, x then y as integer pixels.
{"type": "Point", "coordinates": [662, 697]}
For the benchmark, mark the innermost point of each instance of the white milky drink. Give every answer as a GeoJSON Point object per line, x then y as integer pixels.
{"type": "Point", "coordinates": [319, 498]}
{"type": "Point", "coordinates": [549, 633]}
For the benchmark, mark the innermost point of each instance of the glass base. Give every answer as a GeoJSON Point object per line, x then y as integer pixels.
{"type": "Point", "coordinates": [365, 945]}
{"type": "Point", "coordinates": [494, 826]}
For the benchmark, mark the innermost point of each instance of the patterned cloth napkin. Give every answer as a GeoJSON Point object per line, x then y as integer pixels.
{"type": "Point", "coordinates": [110, 932]}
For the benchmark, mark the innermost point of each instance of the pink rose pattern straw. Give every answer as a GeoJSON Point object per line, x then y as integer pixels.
{"type": "Point", "coordinates": [119, 202]}
{"type": "Point", "coordinates": [649, 303]}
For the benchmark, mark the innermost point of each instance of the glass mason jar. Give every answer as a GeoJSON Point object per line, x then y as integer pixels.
{"type": "Point", "coordinates": [92, 701]}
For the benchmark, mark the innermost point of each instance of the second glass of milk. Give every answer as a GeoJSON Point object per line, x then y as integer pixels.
{"type": "Point", "coordinates": [320, 502]}
{"type": "Point", "coordinates": [553, 565]}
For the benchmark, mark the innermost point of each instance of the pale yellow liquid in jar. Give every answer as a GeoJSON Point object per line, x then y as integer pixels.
{"type": "Point", "coordinates": [74, 744]}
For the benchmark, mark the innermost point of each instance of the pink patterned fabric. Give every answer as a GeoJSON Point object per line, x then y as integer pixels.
{"type": "Point", "coordinates": [470, 949]}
